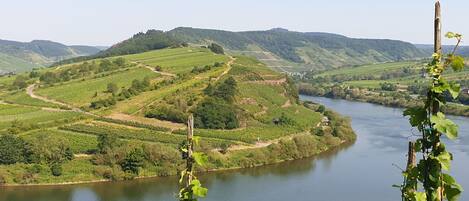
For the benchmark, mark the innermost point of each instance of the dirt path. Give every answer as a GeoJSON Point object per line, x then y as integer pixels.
{"type": "Point", "coordinates": [269, 82]}
{"type": "Point", "coordinates": [262, 144]}
{"type": "Point", "coordinates": [229, 64]}
{"type": "Point", "coordinates": [154, 70]}
{"type": "Point", "coordinates": [30, 92]}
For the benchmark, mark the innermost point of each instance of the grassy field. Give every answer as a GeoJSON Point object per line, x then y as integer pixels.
{"type": "Point", "coordinates": [373, 69]}
{"type": "Point", "coordinates": [179, 60]}
{"type": "Point", "coordinates": [34, 116]}
{"type": "Point", "coordinates": [81, 92]}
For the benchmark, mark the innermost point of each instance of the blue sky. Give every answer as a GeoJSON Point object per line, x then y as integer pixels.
{"type": "Point", "coordinates": [105, 22]}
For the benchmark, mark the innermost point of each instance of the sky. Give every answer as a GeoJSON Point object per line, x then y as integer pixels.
{"type": "Point", "coordinates": [106, 22]}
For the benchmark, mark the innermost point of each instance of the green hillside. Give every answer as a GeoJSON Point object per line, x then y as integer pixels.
{"type": "Point", "coordinates": [14, 64]}
{"type": "Point", "coordinates": [395, 84]}
{"type": "Point", "coordinates": [24, 56]}
{"type": "Point", "coordinates": [245, 114]}
{"type": "Point", "coordinates": [280, 49]}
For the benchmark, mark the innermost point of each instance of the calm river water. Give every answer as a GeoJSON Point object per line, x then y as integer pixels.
{"type": "Point", "coordinates": [362, 171]}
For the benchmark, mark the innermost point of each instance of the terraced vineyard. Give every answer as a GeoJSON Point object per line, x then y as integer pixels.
{"type": "Point", "coordinates": [143, 100]}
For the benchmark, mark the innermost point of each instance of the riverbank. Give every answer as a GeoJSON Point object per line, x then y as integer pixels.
{"type": "Point", "coordinates": [85, 170]}
{"type": "Point", "coordinates": [396, 99]}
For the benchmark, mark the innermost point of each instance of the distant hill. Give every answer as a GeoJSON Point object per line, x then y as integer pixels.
{"type": "Point", "coordinates": [462, 50]}
{"type": "Point", "coordinates": [22, 56]}
{"type": "Point", "coordinates": [293, 51]}
{"type": "Point", "coordinates": [280, 49]}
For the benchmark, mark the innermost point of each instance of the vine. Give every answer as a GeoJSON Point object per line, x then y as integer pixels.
{"type": "Point", "coordinates": [429, 180]}
{"type": "Point", "coordinates": [191, 188]}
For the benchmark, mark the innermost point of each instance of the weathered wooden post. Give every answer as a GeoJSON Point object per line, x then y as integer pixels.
{"type": "Point", "coordinates": [411, 158]}
{"type": "Point", "coordinates": [437, 45]}
{"type": "Point", "coordinates": [190, 144]}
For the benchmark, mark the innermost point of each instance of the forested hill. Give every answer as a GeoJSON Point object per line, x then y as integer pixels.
{"type": "Point", "coordinates": [22, 56]}
{"type": "Point", "coordinates": [279, 48]}
{"type": "Point", "coordinates": [309, 50]}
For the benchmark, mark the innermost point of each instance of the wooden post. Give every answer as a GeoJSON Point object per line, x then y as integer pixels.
{"type": "Point", "coordinates": [437, 49]}
{"type": "Point", "coordinates": [437, 45]}
{"type": "Point", "coordinates": [190, 144]}
{"type": "Point", "coordinates": [411, 158]}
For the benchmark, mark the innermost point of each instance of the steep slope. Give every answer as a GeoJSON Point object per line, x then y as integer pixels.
{"type": "Point", "coordinates": [280, 49]}
{"type": "Point", "coordinates": [305, 50]}
{"type": "Point", "coordinates": [21, 56]}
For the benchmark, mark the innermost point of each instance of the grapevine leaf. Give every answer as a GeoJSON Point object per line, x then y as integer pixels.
{"type": "Point", "coordinates": [445, 126]}
{"type": "Point", "coordinates": [417, 115]}
{"type": "Point", "coordinates": [200, 158]}
{"type": "Point", "coordinates": [454, 89]}
{"type": "Point", "coordinates": [452, 189]}
{"type": "Point", "coordinates": [457, 63]}
{"type": "Point", "coordinates": [418, 145]}
{"type": "Point", "coordinates": [450, 35]}
{"type": "Point", "coordinates": [197, 188]}
{"type": "Point", "coordinates": [445, 160]}
{"type": "Point", "coordinates": [420, 196]}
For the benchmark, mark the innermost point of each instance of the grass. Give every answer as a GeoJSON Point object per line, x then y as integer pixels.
{"type": "Point", "coordinates": [79, 142]}
{"type": "Point", "coordinates": [81, 93]}
{"type": "Point", "coordinates": [180, 60]}
{"type": "Point", "coordinates": [34, 116]}
{"type": "Point", "coordinates": [21, 98]}
{"type": "Point", "coordinates": [373, 69]}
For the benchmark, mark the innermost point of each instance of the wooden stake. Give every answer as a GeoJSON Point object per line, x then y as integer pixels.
{"type": "Point", "coordinates": [411, 158]}
{"type": "Point", "coordinates": [190, 144]}
{"type": "Point", "coordinates": [437, 46]}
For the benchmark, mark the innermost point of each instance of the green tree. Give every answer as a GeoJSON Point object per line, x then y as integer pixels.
{"type": "Point", "coordinates": [20, 82]}
{"type": "Point", "coordinates": [217, 49]}
{"type": "Point", "coordinates": [107, 142]}
{"type": "Point", "coordinates": [133, 161]}
{"type": "Point", "coordinates": [11, 149]}
{"type": "Point", "coordinates": [112, 88]}
{"type": "Point", "coordinates": [226, 90]}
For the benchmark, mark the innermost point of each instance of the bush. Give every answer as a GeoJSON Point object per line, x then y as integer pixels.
{"type": "Point", "coordinates": [12, 149]}
{"type": "Point", "coordinates": [56, 169]}
{"type": "Point", "coordinates": [167, 113]}
{"type": "Point", "coordinates": [217, 49]}
{"type": "Point", "coordinates": [133, 161]}
{"type": "Point", "coordinates": [215, 114]}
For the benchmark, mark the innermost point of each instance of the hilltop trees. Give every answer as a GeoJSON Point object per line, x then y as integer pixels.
{"type": "Point", "coordinates": [217, 49]}
{"type": "Point", "coordinates": [217, 110]}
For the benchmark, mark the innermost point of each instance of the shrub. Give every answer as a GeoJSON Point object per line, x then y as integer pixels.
{"type": "Point", "coordinates": [217, 49]}
{"type": "Point", "coordinates": [133, 161]}
{"type": "Point", "coordinates": [56, 169]}
{"type": "Point", "coordinates": [11, 149]}
{"type": "Point", "coordinates": [215, 114]}
{"type": "Point", "coordinates": [166, 113]}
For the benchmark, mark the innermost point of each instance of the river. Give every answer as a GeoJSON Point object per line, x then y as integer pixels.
{"type": "Point", "coordinates": [363, 171]}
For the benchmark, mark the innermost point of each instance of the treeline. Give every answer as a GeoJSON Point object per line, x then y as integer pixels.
{"type": "Point", "coordinates": [392, 99]}
{"type": "Point", "coordinates": [136, 88]}
{"type": "Point", "coordinates": [140, 42]}
{"type": "Point", "coordinates": [76, 71]}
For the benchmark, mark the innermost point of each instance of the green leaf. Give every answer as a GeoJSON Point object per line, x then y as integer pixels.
{"type": "Point", "coordinates": [450, 35]}
{"type": "Point", "coordinates": [454, 89]}
{"type": "Point", "coordinates": [445, 126]}
{"type": "Point", "coordinates": [445, 160]}
{"type": "Point", "coordinates": [452, 188]}
{"type": "Point", "coordinates": [418, 115]}
{"type": "Point", "coordinates": [197, 188]}
{"type": "Point", "coordinates": [457, 63]}
{"type": "Point", "coordinates": [200, 158]}
{"type": "Point", "coordinates": [420, 196]}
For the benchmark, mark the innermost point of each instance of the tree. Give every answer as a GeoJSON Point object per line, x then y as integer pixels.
{"type": "Point", "coordinates": [217, 49]}
{"type": "Point", "coordinates": [226, 90]}
{"type": "Point", "coordinates": [11, 149]}
{"type": "Point", "coordinates": [133, 161]}
{"type": "Point", "coordinates": [20, 82]}
{"type": "Point", "coordinates": [112, 88]}
{"type": "Point", "coordinates": [214, 113]}
{"type": "Point", "coordinates": [107, 142]}
{"type": "Point", "coordinates": [119, 62]}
